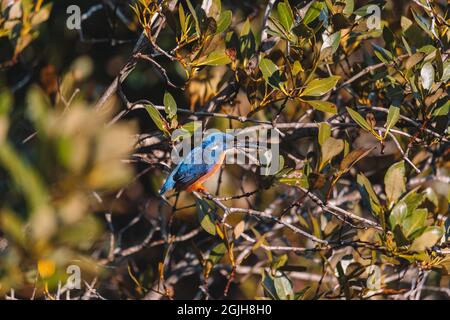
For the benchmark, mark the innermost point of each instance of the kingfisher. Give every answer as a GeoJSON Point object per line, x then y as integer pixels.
{"type": "Point", "coordinates": [200, 163]}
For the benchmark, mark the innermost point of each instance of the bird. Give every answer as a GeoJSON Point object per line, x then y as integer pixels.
{"type": "Point", "coordinates": [200, 164]}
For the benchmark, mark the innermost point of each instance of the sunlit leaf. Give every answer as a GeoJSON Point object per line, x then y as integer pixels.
{"type": "Point", "coordinates": [224, 21]}
{"type": "Point", "coordinates": [239, 229]}
{"type": "Point", "coordinates": [319, 87]}
{"type": "Point", "coordinates": [313, 12]}
{"type": "Point", "coordinates": [170, 105]}
{"type": "Point", "coordinates": [384, 55]}
{"type": "Point", "coordinates": [324, 132]}
{"type": "Point", "coordinates": [353, 157]}
{"type": "Point", "coordinates": [217, 253]}
{"type": "Point", "coordinates": [285, 14]}
{"type": "Point", "coordinates": [270, 72]}
{"type": "Point", "coordinates": [414, 222]}
{"type": "Point", "coordinates": [359, 119]}
{"type": "Point", "coordinates": [405, 206]}
{"type": "Point", "coordinates": [206, 216]}
{"type": "Point", "coordinates": [331, 148]}
{"type": "Point", "coordinates": [395, 181]}
{"type": "Point", "coordinates": [216, 58]}
{"type": "Point", "coordinates": [157, 118]}
{"type": "Point", "coordinates": [323, 106]}
{"type": "Point", "coordinates": [392, 117]}
{"type": "Point", "coordinates": [368, 195]}
{"type": "Point", "coordinates": [427, 76]}
{"type": "Point", "coordinates": [427, 239]}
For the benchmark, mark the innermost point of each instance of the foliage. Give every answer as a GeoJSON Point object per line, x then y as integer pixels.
{"type": "Point", "coordinates": [363, 116]}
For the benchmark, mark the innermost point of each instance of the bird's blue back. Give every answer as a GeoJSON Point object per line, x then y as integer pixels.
{"type": "Point", "coordinates": [197, 163]}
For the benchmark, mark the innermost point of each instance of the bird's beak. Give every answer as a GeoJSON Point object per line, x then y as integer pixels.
{"type": "Point", "coordinates": [247, 145]}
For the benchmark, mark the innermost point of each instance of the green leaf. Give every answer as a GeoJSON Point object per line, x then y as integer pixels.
{"type": "Point", "coordinates": [247, 42]}
{"type": "Point", "coordinates": [323, 106]}
{"type": "Point", "coordinates": [392, 118]}
{"type": "Point", "coordinates": [427, 239]}
{"type": "Point", "coordinates": [353, 157]}
{"type": "Point", "coordinates": [404, 207]}
{"type": "Point", "coordinates": [359, 120]}
{"type": "Point", "coordinates": [313, 12]}
{"type": "Point", "coordinates": [395, 182]}
{"type": "Point", "coordinates": [216, 58]}
{"type": "Point", "coordinates": [224, 21]}
{"type": "Point", "coordinates": [297, 68]}
{"type": "Point", "coordinates": [319, 87]}
{"type": "Point", "coordinates": [442, 110]}
{"type": "Point", "coordinates": [349, 7]}
{"type": "Point", "coordinates": [192, 126]}
{"type": "Point", "coordinates": [384, 55]}
{"type": "Point", "coordinates": [324, 132]}
{"type": "Point", "coordinates": [214, 8]}
{"type": "Point", "coordinates": [446, 72]}
{"type": "Point", "coordinates": [157, 118]}
{"type": "Point", "coordinates": [285, 15]}
{"type": "Point", "coordinates": [279, 262]}
{"type": "Point", "coordinates": [422, 23]}
{"type": "Point", "coordinates": [206, 216]}
{"type": "Point", "coordinates": [277, 286]}
{"type": "Point", "coordinates": [368, 195]}
{"type": "Point", "coordinates": [331, 148]}
{"type": "Point", "coordinates": [6, 101]}
{"type": "Point", "coordinates": [217, 253]}
{"type": "Point", "coordinates": [270, 73]}
{"type": "Point", "coordinates": [182, 18]}
{"type": "Point", "coordinates": [194, 16]}
{"type": "Point", "coordinates": [399, 237]}
{"type": "Point", "coordinates": [330, 44]}
{"type": "Point", "coordinates": [296, 178]}
{"type": "Point", "coordinates": [170, 105]}
{"type": "Point", "coordinates": [414, 222]}
{"type": "Point", "coordinates": [186, 130]}
{"type": "Point", "coordinates": [427, 76]}
{"type": "Point", "coordinates": [283, 286]}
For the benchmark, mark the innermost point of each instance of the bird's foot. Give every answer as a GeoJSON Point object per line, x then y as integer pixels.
{"type": "Point", "coordinates": [197, 187]}
{"type": "Point", "coordinates": [201, 188]}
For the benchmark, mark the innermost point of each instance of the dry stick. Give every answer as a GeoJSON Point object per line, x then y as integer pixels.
{"type": "Point", "coordinates": [365, 71]}
{"type": "Point", "coordinates": [174, 239]}
{"type": "Point", "coordinates": [399, 147]}
{"type": "Point", "coordinates": [406, 119]}
{"type": "Point", "coordinates": [260, 214]}
{"type": "Point", "coordinates": [141, 104]}
{"type": "Point", "coordinates": [269, 7]}
{"type": "Point", "coordinates": [157, 66]}
{"type": "Point", "coordinates": [126, 70]}
{"type": "Point", "coordinates": [112, 89]}
{"type": "Point", "coordinates": [330, 207]}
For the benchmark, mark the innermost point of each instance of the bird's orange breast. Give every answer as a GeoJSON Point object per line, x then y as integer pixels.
{"type": "Point", "coordinates": [205, 177]}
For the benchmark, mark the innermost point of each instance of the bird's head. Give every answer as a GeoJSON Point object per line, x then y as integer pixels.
{"type": "Point", "coordinates": [217, 143]}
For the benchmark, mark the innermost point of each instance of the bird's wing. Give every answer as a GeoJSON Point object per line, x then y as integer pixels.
{"type": "Point", "coordinates": [189, 171]}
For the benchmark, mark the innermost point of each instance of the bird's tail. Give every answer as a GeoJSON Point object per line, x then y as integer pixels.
{"type": "Point", "coordinates": [169, 184]}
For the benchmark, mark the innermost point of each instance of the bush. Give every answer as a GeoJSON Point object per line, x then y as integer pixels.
{"type": "Point", "coordinates": [357, 93]}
